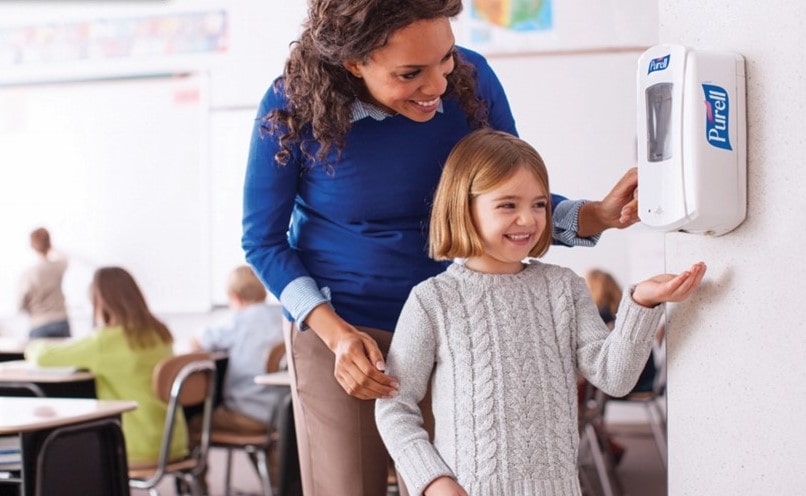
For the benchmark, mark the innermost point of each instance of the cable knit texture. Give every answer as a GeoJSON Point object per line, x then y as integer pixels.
{"type": "Point", "coordinates": [501, 353]}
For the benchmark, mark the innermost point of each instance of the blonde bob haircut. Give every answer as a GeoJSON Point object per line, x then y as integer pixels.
{"type": "Point", "coordinates": [478, 163]}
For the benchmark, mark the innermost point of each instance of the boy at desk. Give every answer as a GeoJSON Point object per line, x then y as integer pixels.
{"type": "Point", "coordinates": [253, 329]}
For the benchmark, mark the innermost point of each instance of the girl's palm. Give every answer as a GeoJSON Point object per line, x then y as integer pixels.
{"type": "Point", "coordinates": [669, 287]}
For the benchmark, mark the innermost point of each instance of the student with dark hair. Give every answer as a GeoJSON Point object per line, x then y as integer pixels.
{"type": "Point", "coordinates": [41, 295]}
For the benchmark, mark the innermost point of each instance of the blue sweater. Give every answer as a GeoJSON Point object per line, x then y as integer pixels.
{"type": "Point", "coordinates": [359, 230]}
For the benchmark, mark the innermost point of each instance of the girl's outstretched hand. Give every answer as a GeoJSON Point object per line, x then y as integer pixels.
{"type": "Point", "coordinates": [668, 287]}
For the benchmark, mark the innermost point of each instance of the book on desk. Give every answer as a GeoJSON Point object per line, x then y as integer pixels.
{"type": "Point", "coordinates": [10, 456]}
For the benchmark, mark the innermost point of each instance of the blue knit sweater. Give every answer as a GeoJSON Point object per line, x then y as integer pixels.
{"type": "Point", "coordinates": [358, 232]}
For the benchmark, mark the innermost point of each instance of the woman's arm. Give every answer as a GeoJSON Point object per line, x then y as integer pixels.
{"type": "Point", "coordinates": [269, 193]}
{"type": "Point", "coordinates": [618, 209]}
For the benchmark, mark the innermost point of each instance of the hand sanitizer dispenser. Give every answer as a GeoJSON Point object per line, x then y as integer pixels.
{"type": "Point", "coordinates": [692, 140]}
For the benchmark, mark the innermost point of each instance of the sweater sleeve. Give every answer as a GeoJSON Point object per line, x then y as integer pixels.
{"type": "Point", "coordinates": [82, 353]}
{"type": "Point", "coordinates": [399, 419]}
{"type": "Point", "coordinates": [270, 190]}
{"type": "Point", "coordinates": [613, 360]}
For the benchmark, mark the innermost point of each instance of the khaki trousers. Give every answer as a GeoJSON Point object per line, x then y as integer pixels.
{"type": "Point", "coordinates": [340, 450]}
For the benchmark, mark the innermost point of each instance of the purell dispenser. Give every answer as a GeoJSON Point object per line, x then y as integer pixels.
{"type": "Point", "coordinates": [692, 140]}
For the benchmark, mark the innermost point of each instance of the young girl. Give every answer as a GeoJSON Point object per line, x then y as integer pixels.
{"type": "Point", "coordinates": [122, 353]}
{"type": "Point", "coordinates": [499, 340]}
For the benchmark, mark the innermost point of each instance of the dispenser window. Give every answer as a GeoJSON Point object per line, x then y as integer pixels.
{"type": "Point", "coordinates": [659, 122]}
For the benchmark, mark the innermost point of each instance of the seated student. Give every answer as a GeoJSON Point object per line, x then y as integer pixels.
{"type": "Point", "coordinates": [40, 294]}
{"type": "Point", "coordinates": [253, 329]}
{"type": "Point", "coordinates": [122, 353]}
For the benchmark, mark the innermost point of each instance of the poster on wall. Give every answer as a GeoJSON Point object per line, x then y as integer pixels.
{"type": "Point", "coordinates": [511, 27]}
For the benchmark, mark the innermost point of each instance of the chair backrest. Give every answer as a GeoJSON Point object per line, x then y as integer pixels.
{"type": "Point", "coordinates": [168, 374]}
{"type": "Point", "coordinates": [185, 380]}
{"type": "Point", "coordinates": [96, 468]}
{"type": "Point", "coordinates": [275, 357]}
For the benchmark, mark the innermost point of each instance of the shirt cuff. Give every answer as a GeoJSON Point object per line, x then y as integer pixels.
{"type": "Point", "coordinates": [301, 296]}
{"type": "Point", "coordinates": [566, 225]}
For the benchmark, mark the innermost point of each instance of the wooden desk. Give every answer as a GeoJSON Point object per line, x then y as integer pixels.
{"type": "Point", "coordinates": [33, 419]}
{"type": "Point", "coordinates": [52, 381]}
{"type": "Point", "coordinates": [281, 378]}
{"type": "Point", "coordinates": [11, 349]}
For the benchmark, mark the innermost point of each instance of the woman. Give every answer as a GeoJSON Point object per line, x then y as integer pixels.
{"type": "Point", "coordinates": [348, 147]}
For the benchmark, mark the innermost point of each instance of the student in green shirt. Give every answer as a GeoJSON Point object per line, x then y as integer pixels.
{"type": "Point", "coordinates": [122, 352]}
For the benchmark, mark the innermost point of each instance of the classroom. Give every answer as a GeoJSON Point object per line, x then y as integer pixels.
{"type": "Point", "coordinates": [132, 152]}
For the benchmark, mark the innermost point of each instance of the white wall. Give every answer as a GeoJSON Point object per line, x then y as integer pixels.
{"type": "Point", "coordinates": [736, 350]}
{"type": "Point", "coordinates": [204, 140]}
{"type": "Point", "coordinates": [577, 109]}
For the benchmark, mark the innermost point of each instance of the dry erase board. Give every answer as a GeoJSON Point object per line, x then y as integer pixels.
{"type": "Point", "coordinates": [118, 171]}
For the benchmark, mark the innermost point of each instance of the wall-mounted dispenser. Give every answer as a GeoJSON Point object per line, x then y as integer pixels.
{"type": "Point", "coordinates": [692, 140]}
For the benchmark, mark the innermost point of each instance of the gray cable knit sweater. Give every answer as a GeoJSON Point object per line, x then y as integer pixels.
{"type": "Point", "coordinates": [501, 353]}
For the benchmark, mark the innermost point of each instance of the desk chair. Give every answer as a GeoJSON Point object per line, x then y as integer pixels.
{"type": "Point", "coordinates": [87, 459]}
{"type": "Point", "coordinates": [651, 400]}
{"type": "Point", "coordinates": [256, 445]}
{"type": "Point", "coordinates": [181, 380]}
{"type": "Point", "coordinates": [594, 446]}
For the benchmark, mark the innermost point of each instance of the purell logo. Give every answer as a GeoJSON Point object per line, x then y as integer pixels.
{"type": "Point", "coordinates": [716, 116]}
{"type": "Point", "coordinates": [658, 64]}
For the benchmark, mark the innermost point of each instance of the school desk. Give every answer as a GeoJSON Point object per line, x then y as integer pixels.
{"type": "Point", "coordinates": [63, 382]}
{"type": "Point", "coordinates": [36, 421]}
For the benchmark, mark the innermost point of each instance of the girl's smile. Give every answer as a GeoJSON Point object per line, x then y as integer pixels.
{"type": "Point", "coordinates": [510, 219]}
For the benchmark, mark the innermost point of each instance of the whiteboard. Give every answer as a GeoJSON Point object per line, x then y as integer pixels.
{"type": "Point", "coordinates": [118, 172]}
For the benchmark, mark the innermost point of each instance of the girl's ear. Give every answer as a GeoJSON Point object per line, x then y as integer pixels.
{"type": "Point", "coordinates": [353, 67]}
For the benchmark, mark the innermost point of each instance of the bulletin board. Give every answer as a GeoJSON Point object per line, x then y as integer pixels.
{"type": "Point", "coordinates": [117, 171]}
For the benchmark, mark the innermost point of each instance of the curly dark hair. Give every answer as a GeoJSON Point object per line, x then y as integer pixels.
{"type": "Point", "coordinates": [321, 91]}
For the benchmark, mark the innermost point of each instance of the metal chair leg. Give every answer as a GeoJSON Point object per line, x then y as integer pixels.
{"type": "Point", "coordinates": [228, 474]}
{"type": "Point", "coordinates": [262, 467]}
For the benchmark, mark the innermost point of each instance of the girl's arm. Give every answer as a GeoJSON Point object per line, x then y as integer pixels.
{"type": "Point", "coordinates": [82, 353]}
{"type": "Point", "coordinates": [411, 360]}
{"type": "Point", "coordinates": [612, 361]}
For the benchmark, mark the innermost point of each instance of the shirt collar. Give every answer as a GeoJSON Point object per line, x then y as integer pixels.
{"type": "Point", "coordinates": [361, 110]}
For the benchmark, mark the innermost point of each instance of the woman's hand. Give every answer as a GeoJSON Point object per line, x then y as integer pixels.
{"type": "Point", "coordinates": [359, 362]}
{"type": "Point", "coordinates": [618, 209]}
{"type": "Point", "coordinates": [668, 287]}
{"type": "Point", "coordinates": [444, 486]}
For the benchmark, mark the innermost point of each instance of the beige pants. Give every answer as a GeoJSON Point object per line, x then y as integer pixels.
{"type": "Point", "coordinates": [340, 450]}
